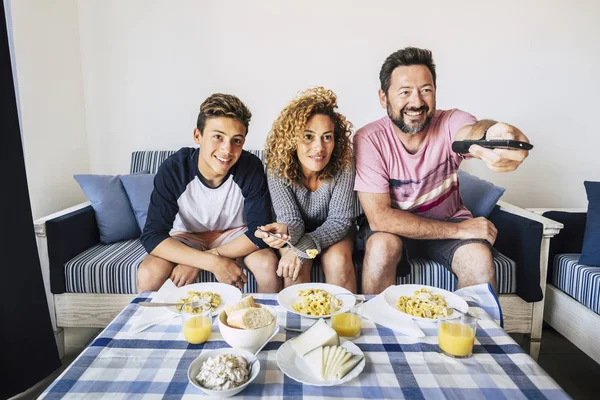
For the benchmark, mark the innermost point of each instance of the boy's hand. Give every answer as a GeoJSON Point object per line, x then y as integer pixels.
{"type": "Point", "coordinates": [275, 228]}
{"type": "Point", "coordinates": [184, 275]}
{"type": "Point", "coordinates": [227, 271]}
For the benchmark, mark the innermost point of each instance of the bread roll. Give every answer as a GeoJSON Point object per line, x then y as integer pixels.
{"type": "Point", "coordinates": [250, 318]}
{"type": "Point", "coordinates": [243, 303]}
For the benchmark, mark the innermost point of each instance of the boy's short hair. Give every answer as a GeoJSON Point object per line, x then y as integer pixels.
{"type": "Point", "coordinates": [223, 105]}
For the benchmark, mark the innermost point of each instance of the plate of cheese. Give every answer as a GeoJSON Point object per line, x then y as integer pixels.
{"type": "Point", "coordinates": [319, 357]}
{"type": "Point", "coordinates": [311, 300]}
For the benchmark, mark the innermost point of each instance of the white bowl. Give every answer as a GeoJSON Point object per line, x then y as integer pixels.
{"type": "Point", "coordinates": [246, 339]}
{"type": "Point", "coordinates": [196, 365]}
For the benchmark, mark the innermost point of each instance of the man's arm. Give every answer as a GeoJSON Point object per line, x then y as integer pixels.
{"type": "Point", "coordinates": [499, 160]}
{"type": "Point", "coordinates": [383, 218]}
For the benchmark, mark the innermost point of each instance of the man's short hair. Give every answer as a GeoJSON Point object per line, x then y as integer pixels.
{"type": "Point", "coordinates": [223, 105]}
{"type": "Point", "coordinates": [403, 58]}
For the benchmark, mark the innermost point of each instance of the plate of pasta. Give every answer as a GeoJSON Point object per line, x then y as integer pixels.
{"type": "Point", "coordinates": [218, 294]}
{"type": "Point", "coordinates": [311, 300]}
{"type": "Point", "coordinates": [425, 303]}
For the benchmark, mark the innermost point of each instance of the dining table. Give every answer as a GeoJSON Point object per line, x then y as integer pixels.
{"type": "Point", "coordinates": [153, 363]}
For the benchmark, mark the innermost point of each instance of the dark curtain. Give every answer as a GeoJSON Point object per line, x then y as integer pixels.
{"type": "Point", "coordinates": [28, 349]}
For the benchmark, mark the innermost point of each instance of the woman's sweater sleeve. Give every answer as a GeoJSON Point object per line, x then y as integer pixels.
{"type": "Point", "coordinates": [339, 218]}
{"type": "Point", "coordinates": [286, 207]}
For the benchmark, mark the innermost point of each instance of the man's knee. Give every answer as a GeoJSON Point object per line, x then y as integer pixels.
{"type": "Point", "coordinates": [474, 262]}
{"type": "Point", "coordinates": [152, 273]}
{"type": "Point", "coordinates": [384, 249]}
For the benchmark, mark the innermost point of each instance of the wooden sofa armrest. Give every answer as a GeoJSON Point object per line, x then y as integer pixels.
{"type": "Point", "coordinates": [550, 227]}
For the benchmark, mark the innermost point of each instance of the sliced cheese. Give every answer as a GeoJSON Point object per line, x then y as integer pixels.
{"type": "Point", "coordinates": [326, 354]}
{"type": "Point", "coordinates": [314, 360]}
{"type": "Point", "coordinates": [348, 366]}
{"type": "Point", "coordinates": [342, 361]}
{"type": "Point", "coordinates": [337, 362]}
{"type": "Point", "coordinates": [337, 355]}
{"type": "Point", "coordinates": [319, 334]}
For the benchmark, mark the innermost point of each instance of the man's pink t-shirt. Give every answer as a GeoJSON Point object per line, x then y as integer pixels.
{"type": "Point", "coordinates": [424, 183]}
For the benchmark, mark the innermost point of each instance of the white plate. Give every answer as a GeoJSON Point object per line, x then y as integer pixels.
{"type": "Point", "coordinates": [229, 294]}
{"type": "Point", "coordinates": [289, 296]}
{"type": "Point", "coordinates": [392, 293]}
{"type": "Point", "coordinates": [296, 368]}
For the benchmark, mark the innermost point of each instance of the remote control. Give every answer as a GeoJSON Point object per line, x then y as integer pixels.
{"type": "Point", "coordinates": [462, 146]}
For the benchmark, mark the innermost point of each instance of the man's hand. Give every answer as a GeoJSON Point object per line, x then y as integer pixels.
{"type": "Point", "coordinates": [501, 160]}
{"type": "Point", "coordinates": [289, 265]}
{"type": "Point", "coordinates": [227, 271]}
{"type": "Point", "coordinates": [275, 228]}
{"type": "Point", "coordinates": [184, 275]}
{"type": "Point", "coordinates": [477, 228]}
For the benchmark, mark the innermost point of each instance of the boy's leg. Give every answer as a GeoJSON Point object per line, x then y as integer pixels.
{"type": "Point", "coordinates": [337, 264]}
{"type": "Point", "coordinates": [263, 265]}
{"type": "Point", "coordinates": [153, 272]}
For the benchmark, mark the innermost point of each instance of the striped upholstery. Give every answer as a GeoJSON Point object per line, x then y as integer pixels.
{"type": "Point", "coordinates": [582, 282]}
{"type": "Point", "coordinates": [112, 268]}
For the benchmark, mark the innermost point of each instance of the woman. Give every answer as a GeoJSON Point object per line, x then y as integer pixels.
{"type": "Point", "coordinates": [311, 180]}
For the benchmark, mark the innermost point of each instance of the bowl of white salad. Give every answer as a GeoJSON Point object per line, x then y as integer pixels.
{"type": "Point", "coordinates": [223, 372]}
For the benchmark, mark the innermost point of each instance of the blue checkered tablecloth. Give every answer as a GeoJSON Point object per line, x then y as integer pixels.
{"type": "Point", "coordinates": [153, 365]}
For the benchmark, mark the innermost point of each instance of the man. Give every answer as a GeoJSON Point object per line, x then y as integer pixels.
{"type": "Point", "coordinates": [407, 178]}
{"type": "Point", "coordinates": [206, 205]}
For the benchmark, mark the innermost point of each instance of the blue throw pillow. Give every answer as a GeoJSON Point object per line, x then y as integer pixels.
{"type": "Point", "coordinates": [114, 215]}
{"type": "Point", "coordinates": [590, 254]}
{"type": "Point", "coordinates": [139, 187]}
{"type": "Point", "coordinates": [480, 196]}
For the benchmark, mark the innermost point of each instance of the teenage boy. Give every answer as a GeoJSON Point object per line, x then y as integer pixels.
{"type": "Point", "coordinates": [206, 204]}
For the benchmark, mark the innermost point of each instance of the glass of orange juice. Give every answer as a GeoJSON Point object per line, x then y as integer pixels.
{"type": "Point", "coordinates": [197, 325]}
{"type": "Point", "coordinates": [346, 314]}
{"type": "Point", "coordinates": [457, 336]}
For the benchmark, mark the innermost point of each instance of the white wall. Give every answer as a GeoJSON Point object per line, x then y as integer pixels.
{"type": "Point", "coordinates": [147, 65]}
{"type": "Point", "coordinates": [48, 60]}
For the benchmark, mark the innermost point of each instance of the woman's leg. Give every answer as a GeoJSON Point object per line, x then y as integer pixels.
{"type": "Point", "coordinates": [337, 264]}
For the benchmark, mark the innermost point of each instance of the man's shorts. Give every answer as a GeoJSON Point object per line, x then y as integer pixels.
{"type": "Point", "coordinates": [438, 250]}
{"type": "Point", "coordinates": [208, 240]}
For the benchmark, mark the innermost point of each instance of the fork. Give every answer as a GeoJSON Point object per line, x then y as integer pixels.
{"type": "Point", "coordinates": [296, 250]}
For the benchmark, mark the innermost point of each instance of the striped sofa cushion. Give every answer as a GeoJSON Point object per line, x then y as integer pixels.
{"type": "Point", "coordinates": [582, 282]}
{"type": "Point", "coordinates": [112, 269]}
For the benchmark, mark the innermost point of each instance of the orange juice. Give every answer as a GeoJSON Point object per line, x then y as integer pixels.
{"type": "Point", "coordinates": [196, 330]}
{"type": "Point", "coordinates": [346, 324]}
{"type": "Point", "coordinates": [456, 339]}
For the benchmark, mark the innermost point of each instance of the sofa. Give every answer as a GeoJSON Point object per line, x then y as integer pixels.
{"type": "Point", "coordinates": [573, 289]}
{"type": "Point", "coordinates": [89, 283]}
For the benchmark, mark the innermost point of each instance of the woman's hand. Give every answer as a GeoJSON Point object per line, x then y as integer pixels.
{"type": "Point", "coordinates": [275, 228]}
{"type": "Point", "coordinates": [289, 265]}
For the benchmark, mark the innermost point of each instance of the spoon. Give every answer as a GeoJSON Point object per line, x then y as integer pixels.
{"type": "Point", "coordinates": [267, 341]}
{"type": "Point", "coordinates": [296, 250]}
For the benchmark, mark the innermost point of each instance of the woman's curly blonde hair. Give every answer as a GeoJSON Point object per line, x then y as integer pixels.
{"type": "Point", "coordinates": [281, 157]}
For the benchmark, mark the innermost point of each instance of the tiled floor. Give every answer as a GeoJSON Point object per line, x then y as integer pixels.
{"type": "Point", "coordinates": [575, 372]}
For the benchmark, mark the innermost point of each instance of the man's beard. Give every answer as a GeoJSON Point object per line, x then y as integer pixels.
{"type": "Point", "coordinates": [398, 119]}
